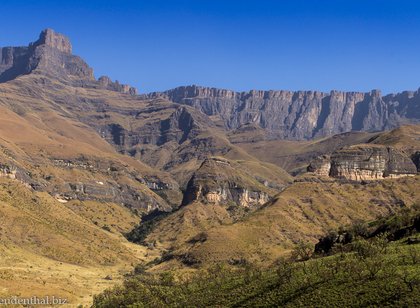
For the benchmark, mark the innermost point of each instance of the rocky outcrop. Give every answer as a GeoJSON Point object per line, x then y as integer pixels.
{"type": "Point", "coordinates": [110, 191]}
{"type": "Point", "coordinates": [13, 62]}
{"type": "Point", "coordinates": [301, 114]}
{"type": "Point", "coordinates": [8, 171]}
{"type": "Point", "coordinates": [321, 165]}
{"type": "Point", "coordinates": [51, 55]}
{"type": "Point", "coordinates": [97, 179]}
{"type": "Point", "coordinates": [13, 172]}
{"type": "Point", "coordinates": [121, 185]}
{"type": "Point", "coordinates": [106, 83]}
{"type": "Point", "coordinates": [218, 182]}
{"type": "Point", "coordinates": [364, 162]}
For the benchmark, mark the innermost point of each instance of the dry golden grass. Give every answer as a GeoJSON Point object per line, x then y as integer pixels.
{"type": "Point", "coordinates": [178, 228]}
{"type": "Point", "coordinates": [404, 137]}
{"type": "Point", "coordinates": [25, 274]}
{"type": "Point", "coordinates": [53, 248]}
{"type": "Point", "coordinates": [38, 223]}
{"type": "Point", "coordinates": [105, 214]}
{"type": "Point", "coordinates": [50, 248]}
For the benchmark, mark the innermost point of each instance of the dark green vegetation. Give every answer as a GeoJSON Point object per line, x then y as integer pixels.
{"type": "Point", "coordinates": [405, 223]}
{"type": "Point", "coordinates": [139, 234]}
{"type": "Point", "coordinates": [377, 267]}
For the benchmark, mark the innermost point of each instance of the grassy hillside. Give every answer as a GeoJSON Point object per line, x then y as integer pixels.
{"type": "Point", "coordinates": [373, 272]}
{"type": "Point", "coordinates": [48, 247]}
{"type": "Point", "coordinates": [305, 210]}
{"type": "Point", "coordinates": [405, 137]}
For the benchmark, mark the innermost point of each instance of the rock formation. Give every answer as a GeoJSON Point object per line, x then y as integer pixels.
{"type": "Point", "coordinates": [302, 114]}
{"type": "Point", "coordinates": [321, 165]}
{"type": "Point", "coordinates": [107, 83]}
{"type": "Point", "coordinates": [51, 55]}
{"type": "Point", "coordinates": [219, 182]}
{"type": "Point", "coordinates": [54, 40]}
{"type": "Point", "coordinates": [364, 162]}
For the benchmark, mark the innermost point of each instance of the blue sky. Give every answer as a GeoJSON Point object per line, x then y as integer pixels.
{"type": "Point", "coordinates": [355, 45]}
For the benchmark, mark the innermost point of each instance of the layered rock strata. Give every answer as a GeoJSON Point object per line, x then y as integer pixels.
{"type": "Point", "coordinates": [301, 114]}
{"type": "Point", "coordinates": [364, 162]}
{"type": "Point", "coordinates": [218, 182]}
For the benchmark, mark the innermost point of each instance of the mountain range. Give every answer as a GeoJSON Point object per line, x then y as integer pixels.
{"type": "Point", "coordinates": [95, 178]}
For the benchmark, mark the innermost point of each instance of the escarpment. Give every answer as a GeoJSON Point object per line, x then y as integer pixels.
{"type": "Point", "coordinates": [364, 162]}
{"type": "Point", "coordinates": [301, 114]}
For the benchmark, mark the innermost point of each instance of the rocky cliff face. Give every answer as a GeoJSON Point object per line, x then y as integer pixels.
{"type": "Point", "coordinates": [219, 182]}
{"type": "Point", "coordinates": [321, 165]}
{"type": "Point", "coordinates": [99, 180]}
{"type": "Point", "coordinates": [176, 127]}
{"type": "Point", "coordinates": [52, 55]}
{"type": "Point", "coordinates": [54, 40]}
{"type": "Point", "coordinates": [364, 162]}
{"type": "Point", "coordinates": [301, 114]}
{"type": "Point", "coordinates": [113, 182]}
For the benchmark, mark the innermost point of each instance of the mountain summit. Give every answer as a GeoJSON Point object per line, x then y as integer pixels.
{"type": "Point", "coordinates": [54, 40]}
{"type": "Point", "coordinates": [51, 55]}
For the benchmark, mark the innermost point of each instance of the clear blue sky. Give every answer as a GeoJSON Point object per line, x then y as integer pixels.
{"type": "Point", "coordinates": [156, 45]}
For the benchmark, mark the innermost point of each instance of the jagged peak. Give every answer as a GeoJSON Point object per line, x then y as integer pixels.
{"type": "Point", "coordinates": [55, 40]}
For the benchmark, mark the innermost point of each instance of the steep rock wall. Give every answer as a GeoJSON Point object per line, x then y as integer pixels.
{"type": "Point", "coordinates": [301, 114]}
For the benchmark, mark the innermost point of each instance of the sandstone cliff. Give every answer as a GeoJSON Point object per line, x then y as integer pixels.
{"type": "Point", "coordinates": [302, 114]}
{"type": "Point", "coordinates": [221, 182]}
{"type": "Point", "coordinates": [364, 162]}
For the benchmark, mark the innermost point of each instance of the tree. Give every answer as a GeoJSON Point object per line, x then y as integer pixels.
{"type": "Point", "coordinates": [303, 251]}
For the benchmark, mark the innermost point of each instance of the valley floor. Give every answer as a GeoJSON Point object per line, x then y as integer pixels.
{"type": "Point", "coordinates": [25, 275]}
